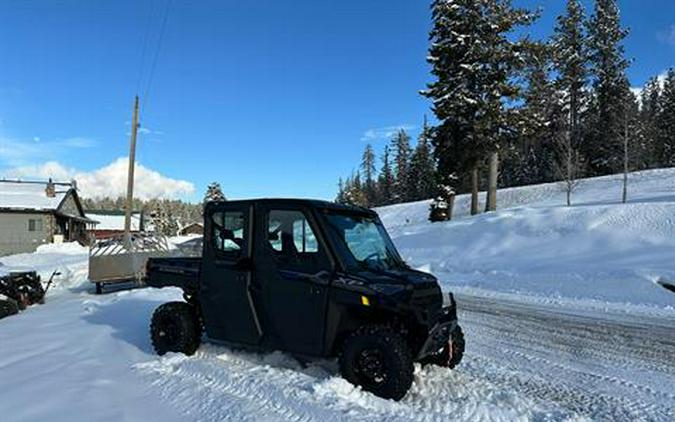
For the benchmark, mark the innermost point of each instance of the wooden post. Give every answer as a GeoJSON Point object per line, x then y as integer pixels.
{"type": "Point", "coordinates": [474, 189]}
{"type": "Point", "coordinates": [491, 202]}
{"type": "Point", "coordinates": [130, 174]}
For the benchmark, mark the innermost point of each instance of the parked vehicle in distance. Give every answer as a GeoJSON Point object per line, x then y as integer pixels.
{"type": "Point", "coordinates": [311, 278]}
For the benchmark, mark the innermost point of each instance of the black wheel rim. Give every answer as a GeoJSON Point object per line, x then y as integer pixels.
{"type": "Point", "coordinates": [370, 367]}
{"type": "Point", "coordinates": [168, 333]}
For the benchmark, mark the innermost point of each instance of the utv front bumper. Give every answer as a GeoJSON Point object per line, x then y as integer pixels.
{"type": "Point", "coordinates": [440, 333]}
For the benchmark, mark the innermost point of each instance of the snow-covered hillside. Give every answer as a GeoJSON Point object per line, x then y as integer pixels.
{"type": "Point", "coordinates": [598, 250]}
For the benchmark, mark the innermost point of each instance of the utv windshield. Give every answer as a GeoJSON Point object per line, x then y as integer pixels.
{"type": "Point", "coordinates": [366, 242]}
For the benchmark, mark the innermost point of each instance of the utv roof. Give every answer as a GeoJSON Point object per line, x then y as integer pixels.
{"type": "Point", "coordinates": [312, 203]}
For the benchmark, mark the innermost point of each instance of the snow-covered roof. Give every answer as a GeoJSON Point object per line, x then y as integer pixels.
{"type": "Point", "coordinates": [19, 195]}
{"type": "Point", "coordinates": [114, 220]}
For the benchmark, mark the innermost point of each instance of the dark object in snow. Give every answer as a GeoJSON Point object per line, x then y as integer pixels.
{"type": "Point", "coordinates": [440, 209]}
{"type": "Point", "coordinates": [25, 288]}
{"type": "Point", "coordinates": [667, 285]}
{"type": "Point", "coordinates": [311, 278]}
{"type": "Point", "coordinates": [8, 307]}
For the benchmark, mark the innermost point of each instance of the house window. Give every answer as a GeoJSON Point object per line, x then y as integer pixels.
{"type": "Point", "coordinates": [34, 225]}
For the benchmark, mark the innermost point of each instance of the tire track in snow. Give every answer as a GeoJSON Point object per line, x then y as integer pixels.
{"type": "Point", "coordinates": [523, 362]}
{"type": "Point", "coordinates": [603, 366]}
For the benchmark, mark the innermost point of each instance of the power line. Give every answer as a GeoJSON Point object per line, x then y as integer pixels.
{"type": "Point", "coordinates": [146, 37]}
{"type": "Point", "coordinates": [157, 50]}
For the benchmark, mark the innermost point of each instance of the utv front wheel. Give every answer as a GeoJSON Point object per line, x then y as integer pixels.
{"type": "Point", "coordinates": [379, 360]}
{"type": "Point", "coordinates": [175, 327]}
{"type": "Point", "coordinates": [451, 354]}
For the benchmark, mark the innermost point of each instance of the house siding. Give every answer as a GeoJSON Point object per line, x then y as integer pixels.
{"type": "Point", "coordinates": [15, 236]}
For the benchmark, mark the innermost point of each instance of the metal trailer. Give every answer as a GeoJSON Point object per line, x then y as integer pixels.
{"type": "Point", "coordinates": [122, 258]}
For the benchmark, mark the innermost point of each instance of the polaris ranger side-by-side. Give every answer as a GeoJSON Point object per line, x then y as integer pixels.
{"type": "Point", "coordinates": [311, 278]}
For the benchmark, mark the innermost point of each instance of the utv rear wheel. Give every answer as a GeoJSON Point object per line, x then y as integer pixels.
{"type": "Point", "coordinates": [175, 327]}
{"type": "Point", "coordinates": [379, 360]}
{"type": "Point", "coordinates": [451, 354]}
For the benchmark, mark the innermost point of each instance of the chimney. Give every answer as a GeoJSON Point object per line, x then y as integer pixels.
{"type": "Point", "coordinates": [50, 190]}
{"type": "Point", "coordinates": [73, 183]}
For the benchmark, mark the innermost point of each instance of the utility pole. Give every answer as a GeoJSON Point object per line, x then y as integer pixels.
{"type": "Point", "coordinates": [130, 175]}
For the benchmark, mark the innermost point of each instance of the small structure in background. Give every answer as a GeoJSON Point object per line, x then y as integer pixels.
{"type": "Point", "coordinates": [33, 213]}
{"type": "Point", "coordinates": [111, 223]}
{"type": "Point", "coordinates": [194, 228]}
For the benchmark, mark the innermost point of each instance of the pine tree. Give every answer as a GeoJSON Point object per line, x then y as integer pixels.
{"type": "Point", "coordinates": [666, 136]}
{"type": "Point", "coordinates": [340, 198]}
{"type": "Point", "coordinates": [650, 151]}
{"type": "Point", "coordinates": [422, 167]}
{"type": "Point", "coordinates": [214, 193]}
{"type": "Point", "coordinates": [385, 183]}
{"type": "Point", "coordinates": [571, 61]}
{"type": "Point", "coordinates": [368, 168]}
{"type": "Point", "coordinates": [474, 63]}
{"type": "Point", "coordinates": [610, 89]}
{"type": "Point", "coordinates": [539, 122]}
{"type": "Point", "coordinates": [354, 193]}
{"type": "Point", "coordinates": [401, 146]}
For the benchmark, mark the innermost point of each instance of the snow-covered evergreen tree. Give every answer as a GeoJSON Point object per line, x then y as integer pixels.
{"type": "Point", "coordinates": [401, 147]}
{"type": "Point", "coordinates": [539, 124]}
{"type": "Point", "coordinates": [650, 151]}
{"type": "Point", "coordinates": [353, 193]}
{"type": "Point", "coordinates": [385, 182]}
{"type": "Point", "coordinates": [607, 110]}
{"type": "Point", "coordinates": [368, 168]}
{"type": "Point", "coordinates": [571, 61]}
{"type": "Point", "coordinates": [474, 62]}
{"type": "Point", "coordinates": [666, 127]}
{"type": "Point", "coordinates": [214, 193]}
{"type": "Point", "coordinates": [422, 167]}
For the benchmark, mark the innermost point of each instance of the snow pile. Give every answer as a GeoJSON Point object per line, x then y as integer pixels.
{"type": "Point", "coordinates": [70, 259]}
{"type": "Point", "coordinates": [598, 250]}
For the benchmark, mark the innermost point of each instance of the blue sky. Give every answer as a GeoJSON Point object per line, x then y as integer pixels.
{"type": "Point", "coordinates": [270, 98]}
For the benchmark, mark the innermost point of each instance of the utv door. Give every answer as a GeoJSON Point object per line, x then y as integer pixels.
{"type": "Point", "coordinates": [293, 269]}
{"type": "Point", "coordinates": [227, 306]}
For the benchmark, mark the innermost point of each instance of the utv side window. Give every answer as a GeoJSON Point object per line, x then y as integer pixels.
{"type": "Point", "coordinates": [227, 234]}
{"type": "Point", "coordinates": [290, 235]}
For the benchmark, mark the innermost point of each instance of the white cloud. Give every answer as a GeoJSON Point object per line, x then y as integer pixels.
{"type": "Point", "coordinates": [110, 180]}
{"type": "Point", "coordinates": [667, 36]}
{"type": "Point", "coordinates": [386, 132]}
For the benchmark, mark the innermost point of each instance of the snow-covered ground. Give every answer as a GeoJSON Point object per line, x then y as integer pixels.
{"type": "Point", "coordinates": [597, 251]}
{"type": "Point", "coordinates": [562, 317]}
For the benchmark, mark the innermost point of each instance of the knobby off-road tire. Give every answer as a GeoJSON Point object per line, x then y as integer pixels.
{"type": "Point", "coordinates": [176, 327]}
{"type": "Point", "coordinates": [443, 358]}
{"type": "Point", "coordinates": [378, 359]}
{"type": "Point", "coordinates": [8, 307]}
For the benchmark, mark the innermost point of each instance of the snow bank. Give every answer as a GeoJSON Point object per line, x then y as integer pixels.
{"type": "Point", "coordinates": [70, 259]}
{"type": "Point", "coordinates": [597, 250]}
